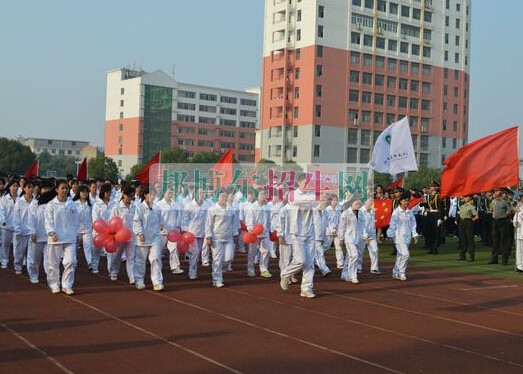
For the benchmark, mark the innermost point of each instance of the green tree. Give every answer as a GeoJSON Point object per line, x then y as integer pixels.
{"type": "Point", "coordinates": [58, 165]}
{"type": "Point", "coordinates": [15, 158]}
{"type": "Point", "coordinates": [422, 177]}
{"type": "Point", "coordinates": [102, 167]}
{"type": "Point", "coordinates": [265, 161]}
{"type": "Point", "coordinates": [205, 158]}
{"type": "Point", "coordinates": [132, 173]}
{"type": "Point", "coordinates": [173, 156]}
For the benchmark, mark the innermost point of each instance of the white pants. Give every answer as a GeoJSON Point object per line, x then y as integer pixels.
{"type": "Point", "coordinates": [54, 254]}
{"type": "Point", "coordinates": [95, 258]}
{"type": "Point", "coordinates": [262, 246]}
{"type": "Point", "coordinates": [205, 253]}
{"type": "Point", "coordinates": [37, 252]}
{"type": "Point", "coordinates": [402, 257]}
{"type": "Point", "coordinates": [302, 260]}
{"type": "Point", "coordinates": [87, 245]}
{"type": "Point", "coordinates": [174, 257]}
{"type": "Point", "coordinates": [20, 251]}
{"type": "Point", "coordinates": [194, 254]}
{"type": "Point", "coordinates": [285, 255]}
{"type": "Point", "coordinates": [320, 257]}
{"type": "Point", "coordinates": [350, 266]}
{"type": "Point", "coordinates": [116, 259]}
{"type": "Point", "coordinates": [7, 239]}
{"type": "Point", "coordinates": [372, 248]}
{"type": "Point", "coordinates": [154, 254]}
{"type": "Point", "coordinates": [340, 257]}
{"type": "Point", "coordinates": [218, 250]}
{"type": "Point", "coordinates": [228, 257]}
{"type": "Point", "coordinates": [519, 254]}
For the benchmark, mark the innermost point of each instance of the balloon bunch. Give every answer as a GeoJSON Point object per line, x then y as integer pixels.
{"type": "Point", "coordinates": [110, 234]}
{"type": "Point", "coordinates": [252, 236]}
{"type": "Point", "coordinates": [273, 236]}
{"type": "Point", "coordinates": [183, 241]}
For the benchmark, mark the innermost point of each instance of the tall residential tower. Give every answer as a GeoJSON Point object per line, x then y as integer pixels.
{"type": "Point", "coordinates": [337, 72]}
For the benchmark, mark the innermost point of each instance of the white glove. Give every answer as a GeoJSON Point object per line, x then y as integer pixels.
{"type": "Point", "coordinates": [439, 222]}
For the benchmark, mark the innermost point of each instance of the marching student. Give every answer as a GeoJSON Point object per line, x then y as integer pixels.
{"type": "Point", "coordinates": [335, 211]}
{"type": "Point", "coordinates": [234, 205]}
{"type": "Point", "coordinates": [170, 219]}
{"type": "Point", "coordinates": [21, 225]}
{"type": "Point", "coordinates": [402, 230]}
{"type": "Point", "coordinates": [258, 213]}
{"type": "Point", "coordinates": [101, 210]}
{"type": "Point", "coordinates": [61, 221]}
{"type": "Point", "coordinates": [7, 204]}
{"type": "Point", "coordinates": [85, 222]}
{"type": "Point", "coordinates": [320, 229]}
{"type": "Point", "coordinates": [93, 192]}
{"type": "Point", "coordinates": [518, 225]}
{"type": "Point", "coordinates": [301, 205]}
{"type": "Point", "coordinates": [369, 217]}
{"type": "Point", "coordinates": [125, 210]}
{"type": "Point", "coordinates": [146, 227]}
{"type": "Point", "coordinates": [219, 228]}
{"type": "Point", "coordinates": [352, 232]}
{"type": "Point", "coordinates": [194, 218]}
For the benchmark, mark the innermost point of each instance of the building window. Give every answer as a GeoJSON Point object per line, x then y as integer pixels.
{"type": "Point", "coordinates": [444, 142]}
{"type": "Point", "coordinates": [355, 38]}
{"type": "Point", "coordinates": [367, 40]}
{"type": "Point", "coordinates": [425, 122]}
{"type": "Point", "coordinates": [120, 126]}
{"type": "Point", "coordinates": [317, 110]}
{"type": "Point", "coordinates": [414, 86]}
{"type": "Point", "coordinates": [352, 155]}
{"type": "Point", "coordinates": [121, 115]}
{"type": "Point", "coordinates": [378, 118]}
{"type": "Point", "coordinates": [228, 99]}
{"type": "Point", "coordinates": [318, 90]}
{"type": "Point", "coordinates": [296, 92]}
{"type": "Point", "coordinates": [298, 15]}
{"type": "Point", "coordinates": [402, 102]}
{"type": "Point", "coordinates": [354, 57]}
{"type": "Point", "coordinates": [366, 97]}
{"type": "Point", "coordinates": [391, 82]}
{"type": "Point", "coordinates": [426, 70]}
{"type": "Point", "coordinates": [403, 83]}
{"type": "Point", "coordinates": [404, 47]}
{"type": "Point", "coordinates": [122, 91]}
{"type": "Point", "coordinates": [208, 97]}
{"type": "Point", "coordinates": [425, 104]}
{"type": "Point", "coordinates": [380, 43]}
{"type": "Point", "coordinates": [317, 130]}
{"type": "Point", "coordinates": [319, 70]}
{"type": "Point", "coordinates": [354, 96]}
{"type": "Point", "coordinates": [367, 78]}
{"type": "Point", "coordinates": [458, 23]}
{"type": "Point", "coordinates": [391, 101]}
{"type": "Point", "coordinates": [456, 58]}
{"type": "Point", "coordinates": [444, 125]}
{"type": "Point", "coordinates": [321, 11]}
{"type": "Point", "coordinates": [378, 80]}
{"type": "Point", "coordinates": [121, 103]}
{"type": "Point", "coordinates": [365, 137]}
{"type": "Point", "coordinates": [320, 31]}
{"type": "Point", "coordinates": [296, 112]}
{"type": "Point", "coordinates": [454, 143]}
{"type": "Point", "coordinates": [393, 45]}
{"type": "Point", "coordinates": [354, 76]}
{"type": "Point", "coordinates": [298, 54]}
{"type": "Point", "coordinates": [364, 155]}
{"type": "Point", "coordinates": [446, 56]}
{"type": "Point", "coordinates": [393, 8]}
{"type": "Point", "coordinates": [405, 11]}
{"type": "Point", "coordinates": [413, 103]}
{"type": "Point", "coordinates": [367, 60]}
{"type": "Point", "coordinates": [319, 51]}
{"type": "Point", "coordinates": [380, 62]}
{"type": "Point", "coordinates": [352, 136]}
{"type": "Point", "coordinates": [365, 116]}
{"type": "Point", "coordinates": [248, 102]}
{"type": "Point", "coordinates": [316, 150]}
{"type": "Point", "coordinates": [295, 131]}
{"type": "Point", "coordinates": [294, 151]}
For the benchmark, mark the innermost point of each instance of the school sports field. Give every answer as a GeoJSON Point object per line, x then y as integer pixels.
{"type": "Point", "coordinates": [442, 320]}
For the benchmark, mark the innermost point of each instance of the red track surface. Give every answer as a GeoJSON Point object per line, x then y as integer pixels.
{"type": "Point", "coordinates": [436, 322]}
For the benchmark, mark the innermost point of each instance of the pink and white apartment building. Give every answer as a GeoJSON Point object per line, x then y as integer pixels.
{"type": "Point", "coordinates": [147, 112]}
{"type": "Point", "coordinates": [337, 72]}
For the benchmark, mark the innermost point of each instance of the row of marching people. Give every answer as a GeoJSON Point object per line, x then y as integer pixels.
{"type": "Point", "coordinates": [52, 225]}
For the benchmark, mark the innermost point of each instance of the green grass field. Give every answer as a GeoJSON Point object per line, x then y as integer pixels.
{"type": "Point", "coordinates": [447, 259]}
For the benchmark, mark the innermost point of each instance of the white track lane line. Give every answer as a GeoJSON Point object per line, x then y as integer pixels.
{"type": "Point", "coordinates": [32, 346]}
{"type": "Point", "coordinates": [487, 288]}
{"type": "Point", "coordinates": [381, 329]}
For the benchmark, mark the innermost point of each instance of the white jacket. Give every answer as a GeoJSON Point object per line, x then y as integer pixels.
{"type": "Point", "coordinates": [518, 224]}
{"type": "Point", "coordinates": [61, 218]}
{"type": "Point", "coordinates": [146, 222]}
{"type": "Point", "coordinates": [170, 215]}
{"type": "Point", "coordinates": [194, 218]}
{"type": "Point", "coordinates": [259, 214]}
{"type": "Point", "coordinates": [37, 222]}
{"type": "Point", "coordinates": [85, 219]}
{"type": "Point", "coordinates": [369, 216]}
{"type": "Point", "coordinates": [219, 224]}
{"type": "Point", "coordinates": [125, 213]}
{"type": "Point", "coordinates": [402, 226]}
{"type": "Point", "coordinates": [101, 210]}
{"type": "Point", "coordinates": [7, 205]}
{"type": "Point", "coordinates": [352, 228]}
{"type": "Point", "coordinates": [21, 213]}
{"type": "Point", "coordinates": [301, 213]}
{"type": "Point", "coordinates": [333, 220]}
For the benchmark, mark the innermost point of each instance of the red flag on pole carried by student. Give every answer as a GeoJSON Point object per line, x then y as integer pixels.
{"type": "Point", "coordinates": [82, 171]}
{"type": "Point", "coordinates": [414, 201]}
{"type": "Point", "coordinates": [383, 209]}
{"type": "Point", "coordinates": [397, 183]}
{"type": "Point", "coordinates": [487, 163]}
{"type": "Point", "coordinates": [223, 168]}
{"type": "Point", "coordinates": [32, 171]}
{"type": "Point", "coordinates": [143, 175]}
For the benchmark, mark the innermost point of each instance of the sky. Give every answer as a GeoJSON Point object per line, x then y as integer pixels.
{"type": "Point", "coordinates": [54, 55]}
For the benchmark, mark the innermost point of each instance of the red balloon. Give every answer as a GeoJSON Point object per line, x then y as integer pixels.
{"type": "Point", "coordinates": [100, 240]}
{"type": "Point", "coordinates": [182, 247]}
{"type": "Point", "coordinates": [174, 236]}
{"type": "Point", "coordinates": [100, 226]}
{"type": "Point", "coordinates": [243, 226]}
{"type": "Point", "coordinates": [188, 238]}
{"type": "Point", "coordinates": [123, 235]}
{"type": "Point", "coordinates": [115, 224]}
{"type": "Point", "coordinates": [257, 229]}
{"type": "Point", "coordinates": [249, 238]}
{"type": "Point", "coordinates": [111, 246]}
{"type": "Point", "coordinates": [273, 236]}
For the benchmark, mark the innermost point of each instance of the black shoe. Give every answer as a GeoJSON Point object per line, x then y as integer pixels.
{"type": "Point", "coordinates": [492, 262]}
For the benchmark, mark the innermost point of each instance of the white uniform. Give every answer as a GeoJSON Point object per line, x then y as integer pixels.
{"type": "Point", "coordinates": [402, 230]}
{"type": "Point", "coordinates": [282, 225]}
{"type": "Point", "coordinates": [61, 218]}
{"type": "Point", "coordinates": [193, 221]}
{"type": "Point", "coordinates": [21, 230]}
{"type": "Point", "coordinates": [38, 248]}
{"type": "Point", "coordinates": [370, 234]}
{"type": "Point", "coordinates": [100, 210]}
{"type": "Point", "coordinates": [7, 205]}
{"type": "Point", "coordinates": [518, 224]}
{"type": "Point", "coordinates": [85, 229]}
{"type": "Point", "coordinates": [219, 227]}
{"type": "Point", "coordinates": [352, 230]}
{"type": "Point", "coordinates": [127, 216]}
{"type": "Point", "coordinates": [171, 219]}
{"type": "Point", "coordinates": [146, 222]}
{"type": "Point", "coordinates": [320, 228]}
{"type": "Point", "coordinates": [259, 214]}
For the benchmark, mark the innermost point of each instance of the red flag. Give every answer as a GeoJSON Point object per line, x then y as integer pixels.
{"type": "Point", "coordinates": [224, 168]}
{"type": "Point", "coordinates": [487, 163]}
{"type": "Point", "coordinates": [397, 183]}
{"type": "Point", "coordinates": [414, 201]}
{"type": "Point", "coordinates": [143, 175]}
{"type": "Point", "coordinates": [383, 209]}
{"type": "Point", "coordinates": [32, 171]}
{"type": "Point", "coordinates": [82, 170]}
